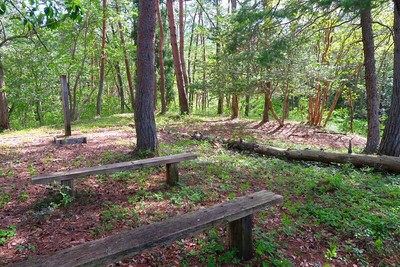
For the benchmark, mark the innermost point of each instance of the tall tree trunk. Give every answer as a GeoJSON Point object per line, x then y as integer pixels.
{"type": "Point", "coordinates": [103, 58]}
{"type": "Point", "coordinates": [220, 109]}
{"type": "Point", "coordinates": [196, 47]}
{"type": "Point", "coordinates": [126, 59]}
{"type": "Point", "coordinates": [351, 106]}
{"type": "Point", "coordinates": [271, 108]}
{"type": "Point", "coordinates": [391, 136]}
{"type": "Point", "coordinates": [235, 100]}
{"type": "Point", "coordinates": [4, 117]}
{"type": "Point", "coordinates": [247, 106]}
{"type": "Point", "coordinates": [190, 47]}
{"type": "Point", "coordinates": [266, 107]}
{"type": "Point", "coordinates": [285, 109]}
{"type": "Point", "coordinates": [161, 60]}
{"type": "Point", "coordinates": [204, 94]}
{"type": "Point", "coordinates": [182, 43]}
{"type": "Point", "coordinates": [183, 102]}
{"type": "Point", "coordinates": [120, 85]}
{"type": "Point", "coordinates": [370, 82]}
{"type": "Point", "coordinates": [235, 106]}
{"type": "Point", "coordinates": [146, 131]}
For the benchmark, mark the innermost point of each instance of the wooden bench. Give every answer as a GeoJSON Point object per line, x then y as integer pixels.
{"type": "Point", "coordinates": [237, 212]}
{"type": "Point", "coordinates": [67, 177]}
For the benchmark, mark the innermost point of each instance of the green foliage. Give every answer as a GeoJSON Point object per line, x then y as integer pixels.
{"type": "Point", "coordinates": [331, 252]}
{"type": "Point", "coordinates": [211, 251]}
{"type": "Point", "coordinates": [114, 214]}
{"type": "Point", "coordinates": [24, 196]}
{"type": "Point", "coordinates": [26, 247]}
{"type": "Point", "coordinates": [4, 199]}
{"type": "Point", "coordinates": [60, 196]}
{"type": "Point", "coordinates": [4, 234]}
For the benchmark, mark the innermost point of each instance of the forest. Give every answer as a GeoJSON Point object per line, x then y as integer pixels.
{"type": "Point", "coordinates": [296, 97]}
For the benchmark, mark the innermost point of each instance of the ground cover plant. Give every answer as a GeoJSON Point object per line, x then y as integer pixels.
{"type": "Point", "coordinates": [332, 215]}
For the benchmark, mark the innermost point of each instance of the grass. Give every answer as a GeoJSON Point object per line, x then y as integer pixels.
{"type": "Point", "coordinates": [352, 215]}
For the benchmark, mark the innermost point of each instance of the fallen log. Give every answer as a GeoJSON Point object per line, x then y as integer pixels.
{"type": "Point", "coordinates": [387, 163]}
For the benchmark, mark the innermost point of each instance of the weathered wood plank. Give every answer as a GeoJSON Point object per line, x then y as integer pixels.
{"type": "Point", "coordinates": [172, 174]}
{"type": "Point", "coordinates": [241, 237]}
{"type": "Point", "coordinates": [111, 168]}
{"type": "Point", "coordinates": [70, 184]}
{"type": "Point", "coordinates": [127, 244]}
{"type": "Point", "coordinates": [69, 141]}
{"type": "Point", "coordinates": [65, 100]}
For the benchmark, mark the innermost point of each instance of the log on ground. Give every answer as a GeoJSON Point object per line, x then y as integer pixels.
{"type": "Point", "coordinates": [387, 163]}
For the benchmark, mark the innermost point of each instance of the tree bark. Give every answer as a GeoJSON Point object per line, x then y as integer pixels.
{"type": "Point", "coordinates": [183, 102]}
{"type": "Point", "coordinates": [266, 108]}
{"type": "Point", "coordinates": [103, 58]}
{"type": "Point", "coordinates": [204, 93]}
{"type": "Point", "coordinates": [235, 106]}
{"type": "Point", "coordinates": [182, 43]}
{"type": "Point", "coordinates": [370, 82]}
{"type": "Point", "coordinates": [161, 60]}
{"type": "Point", "coordinates": [4, 116]}
{"type": "Point", "coordinates": [247, 106]}
{"type": "Point", "coordinates": [220, 109]}
{"type": "Point", "coordinates": [190, 48]}
{"type": "Point", "coordinates": [120, 85]}
{"type": "Point", "coordinates": [391, 136]}
{"type": "Point", "coordinates": [146, 132]}
{"type": "Point", "coordinates": [126, 59]}
{"type": "Point", "coordinates": [235, 100]}
{"type": "Point", "coordinates": [271, 108]}
{"type": "Point", "coordinates": [65, 102]}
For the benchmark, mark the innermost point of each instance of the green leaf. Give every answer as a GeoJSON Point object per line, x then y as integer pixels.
{"type": "Point", "coordinates": [3, 8]}
{"type": "Point", "coordinates": [49, 11]}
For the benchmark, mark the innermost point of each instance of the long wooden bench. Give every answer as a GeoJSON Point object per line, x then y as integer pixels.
{"type": "Point", "coordinates": [237, 212]}
{"type": "Point", "coordinates": [67, 177]}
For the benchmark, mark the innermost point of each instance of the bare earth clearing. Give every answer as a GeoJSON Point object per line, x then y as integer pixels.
{"type": "Point", "coordinates": [43, 231]}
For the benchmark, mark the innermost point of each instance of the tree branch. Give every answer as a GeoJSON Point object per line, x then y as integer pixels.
{"type": "Point", "coordinates": [13, 37]}
{"type": "Point", "coordinates": [33, 27]}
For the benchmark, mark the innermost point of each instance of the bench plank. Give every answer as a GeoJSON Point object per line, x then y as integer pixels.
{"type": "Point", "coordinates": [129, 243]}
{"type": "Point", "coordinates": [111, 168]}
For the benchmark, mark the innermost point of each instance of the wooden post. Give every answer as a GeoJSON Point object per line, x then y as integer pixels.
{"type": "Point", "coordinates": [64, 96]}
{"type": "Point", "coordinates": [172, 174]}
{"type": "Point", "coordinates": [240, 237]}
{"type": "Point", "coordinates": [70, 184]}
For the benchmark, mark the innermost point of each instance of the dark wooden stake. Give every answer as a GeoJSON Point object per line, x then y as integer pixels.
{"type": "Point", "coordinates": [172, 174]}
{"type": "Point", "coordinates": [240, 237]}
{"type": "Point", "coordinates": [64, 96]}
{"type": "Point", "coordinates": [70, 184]}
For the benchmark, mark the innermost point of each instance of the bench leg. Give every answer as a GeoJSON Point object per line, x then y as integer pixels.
{"type": "Point", "coordinates": [172, 174]}
{"type": "Point", "coordinates": [70, 184]}
{"type": "Point", "coordinates": [240, 237]}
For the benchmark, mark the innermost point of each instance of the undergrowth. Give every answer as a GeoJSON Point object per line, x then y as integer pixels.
{"type": "Point", "coordinates": [339, 214]}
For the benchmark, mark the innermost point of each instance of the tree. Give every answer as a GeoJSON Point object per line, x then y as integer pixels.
{"type": "Point", "coordinates": [182, 43]}
{"type": "Point", "coordinates": [49, 17]}
{"type": "Point", "coordinates": [146, 131]}
{"type": "Point", "coordinates": [235, 98]}
{"type": "Point", "coordinates": [4, 117]}
{"type": "Point", "coordinates": [103, 57]}
{"type": "Point", "coordinates": [161, 60]}
{"type": "Point", "coordinates": [390, 144]}
{"type": "Point", "coordinates": [183, 102]}
{"type": "Point", "coordinates": [126, 60]}
{"type": "Point", "coordinates": [370, 81]}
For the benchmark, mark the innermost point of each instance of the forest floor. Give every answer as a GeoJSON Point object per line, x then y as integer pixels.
{"type": "Point", "coordinates": [306, 231]}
